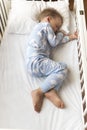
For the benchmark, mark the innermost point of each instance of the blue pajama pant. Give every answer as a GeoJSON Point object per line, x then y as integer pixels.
{"type": "Point", "coordinates": [55, 72]}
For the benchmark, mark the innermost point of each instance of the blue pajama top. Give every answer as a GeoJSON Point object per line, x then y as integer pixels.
{"type": "Point", "coordinates": [42, 39]}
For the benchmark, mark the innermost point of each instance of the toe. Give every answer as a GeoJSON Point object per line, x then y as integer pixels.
{"type": "Point", "coordinates": [37, 108]}
{"type": "Point", "coordinates": [62, 105]}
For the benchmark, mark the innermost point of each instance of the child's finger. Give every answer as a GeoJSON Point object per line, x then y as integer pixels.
{"type": "Point", "coordinates": [76, 33]}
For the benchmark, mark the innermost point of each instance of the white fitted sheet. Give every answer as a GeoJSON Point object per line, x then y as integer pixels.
{"type": "Point", "coordinates": [16, 108]}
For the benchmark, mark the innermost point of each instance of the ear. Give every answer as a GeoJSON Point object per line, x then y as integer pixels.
{"type": "Point", "coordinates": [48, 18]}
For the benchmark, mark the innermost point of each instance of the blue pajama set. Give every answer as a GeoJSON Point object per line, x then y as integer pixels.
{"type": "Point", "coordinates": [41, 40]}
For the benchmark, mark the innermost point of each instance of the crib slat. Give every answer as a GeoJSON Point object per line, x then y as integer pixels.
{"type": "Point", "coordinates": [83, 89]}
{"type": "Point", "coordinates": [84, 103]}
{"type": "Point", "coordinates": [83, 94]}
{"type": "Point", "coordinates": [3, 16]}
{"type": "Point", "coordinates": [86, 126]}
{"type": "Point", "coordinates": [85, 112]}
{"type": "Point", "coordinates": [85, 120]}
{"type": "Point", "coordinates": [71, 4]}
{"type": "Point", "coordinates": [82, 57]}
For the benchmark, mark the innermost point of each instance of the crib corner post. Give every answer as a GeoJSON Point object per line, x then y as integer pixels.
{"type": "Point", "coordinates": [71, 5]}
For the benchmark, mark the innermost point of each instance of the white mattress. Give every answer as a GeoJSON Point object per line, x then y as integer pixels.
{"type": "Point", "coordinates": [16, 108]}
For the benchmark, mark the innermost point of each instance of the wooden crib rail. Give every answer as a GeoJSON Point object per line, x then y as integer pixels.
{"type": "Point", "coordinates": [71, 3]}
{"type": "Point", "coordinates": [4, 9]}
{"type": "Point", "coordinates": [82, 57]}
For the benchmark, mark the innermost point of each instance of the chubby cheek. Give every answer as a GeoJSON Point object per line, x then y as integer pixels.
{"type": "Point", "coordinates": [56, 30]}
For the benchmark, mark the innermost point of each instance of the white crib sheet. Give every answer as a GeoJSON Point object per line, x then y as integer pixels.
{"type": "Point", "coordinates": [16, 109]}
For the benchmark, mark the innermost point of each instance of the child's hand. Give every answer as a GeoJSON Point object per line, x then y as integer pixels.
{"type": "Point", "coordinates": [64, 33]}
{"type": "Point", "coordinates": [73, 36]}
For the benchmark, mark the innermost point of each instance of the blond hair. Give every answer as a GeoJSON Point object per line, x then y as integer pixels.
{"type": "Point", "coordinates": [48, 12]}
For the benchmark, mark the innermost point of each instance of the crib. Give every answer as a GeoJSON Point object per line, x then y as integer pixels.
{"type": "Point", "coordinates": [7, 119]}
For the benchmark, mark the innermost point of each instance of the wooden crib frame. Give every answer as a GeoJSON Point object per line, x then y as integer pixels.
{"type": "Point", "coordinates": [78, 8]}
{"type": "Point", "coordinates": [4, 10]}
{"type": "Point", "coordinates": [82, 56]}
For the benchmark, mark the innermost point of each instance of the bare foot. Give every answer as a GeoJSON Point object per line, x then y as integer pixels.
{"type": "Point", "coordinates": [37, 97]}
{"type": "Point", "coordinates": [54, 98]}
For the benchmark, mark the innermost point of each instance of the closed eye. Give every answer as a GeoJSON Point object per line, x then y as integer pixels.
{"type": "Point", "coordinates": [57, 27]}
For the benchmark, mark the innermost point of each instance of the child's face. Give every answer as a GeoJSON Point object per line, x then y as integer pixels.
{"type": "Point", "coordinates": [55, 23]}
